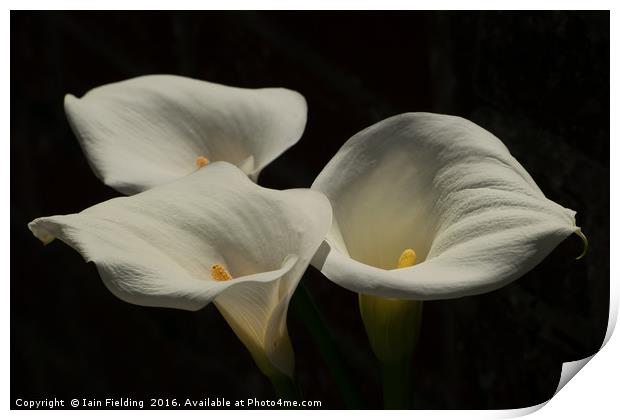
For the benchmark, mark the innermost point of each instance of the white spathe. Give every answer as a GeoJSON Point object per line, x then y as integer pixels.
{"type": "Point", "coordinates": [447, 189]}
{"type": "Point", "coordinates": [150, 130]}
{"type": "Point", "coordinates": [157, 249]}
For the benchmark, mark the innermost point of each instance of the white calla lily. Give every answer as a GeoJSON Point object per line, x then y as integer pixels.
{"type": "Point", "coordinates": [444, 188]}
{"type": "Point", "coordinates": [150, 130]}
{"type": "Point", "coordinates": [211, 236]}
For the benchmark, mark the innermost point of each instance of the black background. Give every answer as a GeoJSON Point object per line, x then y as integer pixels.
{"type": "Point", "coordinates": [539, 81]}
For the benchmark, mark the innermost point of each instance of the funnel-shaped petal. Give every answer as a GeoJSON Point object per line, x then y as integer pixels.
{"type": "Point", "coordinates": [449, 190]}
{"type": "Point", "coordinates": [143, 132]}
{"type": "Point", "coordinates": [158, 248]}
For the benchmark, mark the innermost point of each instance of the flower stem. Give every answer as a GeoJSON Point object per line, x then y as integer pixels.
{"type": "Point", "coordinates": [393, 327]}
{"type": "Point", "coordinates": [285, 388]}
{"type": "Point", "coordinates": [397, 385]}
{"type": "Point", "coordinates": [304, 307]}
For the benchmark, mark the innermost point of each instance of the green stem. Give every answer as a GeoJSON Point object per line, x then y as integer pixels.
{"type": "Point", "coordinates": [397, 385]}
{"type": "Point", "coordinates": [393, 327]}
{"type": "Point", "coordinates": [304, 307]}
{"type": "Point", "coordinates": [285, 388]}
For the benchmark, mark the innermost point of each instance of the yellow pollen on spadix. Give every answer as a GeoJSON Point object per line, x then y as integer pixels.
{"type": "Point", "coordinates": [406, 259]}
{"type": "Point", "coordinates": [201, 161]}
{"type": "Point", "coordinates": [219, 273]}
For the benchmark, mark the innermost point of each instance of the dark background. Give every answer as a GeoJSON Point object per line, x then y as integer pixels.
{"type": "Point", "coordinates": [539, 81]}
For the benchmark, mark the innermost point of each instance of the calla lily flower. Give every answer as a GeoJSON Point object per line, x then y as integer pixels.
{"type": "Point", "coordinates": [211, 236]}
{"type": "Point", "coordinates": [443, 190]}
{"type": "Point", "coordinates": [150, 130]}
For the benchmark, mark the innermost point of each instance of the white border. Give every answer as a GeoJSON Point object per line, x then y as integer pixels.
{"type": "Point", "coordinates": [596, 387]}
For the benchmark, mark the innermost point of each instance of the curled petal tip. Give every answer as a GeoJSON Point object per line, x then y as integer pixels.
{"type": "Point", "coordinates": [41, 234]}
{"type": "Point", "coordinates": [579, 233]}
{"type": "Point", "coordinates": [69, 100]}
